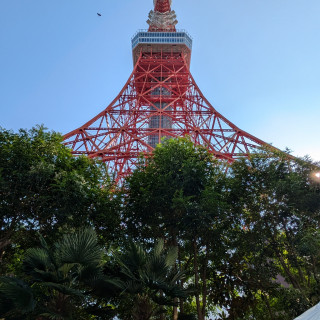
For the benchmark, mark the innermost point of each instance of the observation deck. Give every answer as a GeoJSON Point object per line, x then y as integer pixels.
{"type": "Point", "coordinates": [162, 41]}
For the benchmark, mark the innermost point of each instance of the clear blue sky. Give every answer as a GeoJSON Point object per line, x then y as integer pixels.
{"type": "Point", "coordinates": [257, 62]}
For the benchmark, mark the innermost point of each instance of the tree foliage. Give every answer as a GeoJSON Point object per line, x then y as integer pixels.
{"type": "Point", "coordinates": [246, 238]}
{"type": "Point", "coordinates": [55, 279]}
{"type": "Point", "coordinates": [178, 195]}
{"type": "Point", "coordinates": [68, 281]}
{"type": "Point", "coordinates": [277, 201]}
{"type": "Point", "coordinates": [149, 278]}
{"type": "Point", "coordinates": [43, 188]}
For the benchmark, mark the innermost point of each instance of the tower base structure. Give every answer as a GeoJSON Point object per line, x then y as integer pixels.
{"type": "Point", "coordinates": [160, 100]}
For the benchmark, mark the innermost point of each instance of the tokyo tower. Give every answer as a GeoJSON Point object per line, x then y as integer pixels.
{"type": "Point", "coordinates": [159, 100]}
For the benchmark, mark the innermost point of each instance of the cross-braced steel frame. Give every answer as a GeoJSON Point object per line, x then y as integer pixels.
{"type": "Point", "coordinates": [159, 100]}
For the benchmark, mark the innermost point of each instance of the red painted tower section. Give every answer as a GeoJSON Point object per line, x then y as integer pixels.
{"type": "Point", "coordinates": [159, 100]}
{"type": "Point", "coordinates": [162, 5]}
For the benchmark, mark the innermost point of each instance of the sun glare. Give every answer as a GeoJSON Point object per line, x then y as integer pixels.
{"type": "Point", "coordinates": [315, 176]}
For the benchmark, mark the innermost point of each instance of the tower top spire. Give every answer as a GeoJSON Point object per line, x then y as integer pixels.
{"type": "Point", "coordinates": [162, 5]}
{"type": "Point", "coordinates": [162, 18]}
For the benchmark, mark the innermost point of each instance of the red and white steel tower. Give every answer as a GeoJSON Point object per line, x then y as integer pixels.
{"type": "Point", "coordinates": [160, 99]}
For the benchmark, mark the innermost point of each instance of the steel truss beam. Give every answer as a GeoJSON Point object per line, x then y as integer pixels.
{"type": "Point", "coordinates": [160, 90]}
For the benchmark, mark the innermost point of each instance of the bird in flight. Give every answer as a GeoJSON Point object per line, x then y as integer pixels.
{"type": "Point", "coordinates": [99, 14]}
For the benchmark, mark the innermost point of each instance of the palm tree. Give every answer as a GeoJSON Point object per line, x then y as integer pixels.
{"type": "Point", "coordinates": [16, 298]}
{"type": "Point", "coordinates": [66, 281]}
{"type": "Point", "coordinates": [56, 278]}
{"type": "Point", "coordinates": [150, 278]}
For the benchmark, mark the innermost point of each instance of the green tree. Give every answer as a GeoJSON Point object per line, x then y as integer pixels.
{"type": "Point", "coordinates": [75, 279]}
{"type": "Point", "coordinates": [43, 188]}
{"type": "Point", "coordinates": [58, 281]}
{"type": "Point", "coordinates": [178, 195]}
{"type": "Point", "coordinates": [240, 234]}
{"type": "Point", "coordinates": [150, 279]}
{"type": "Point", "coordinates": [273, 259]}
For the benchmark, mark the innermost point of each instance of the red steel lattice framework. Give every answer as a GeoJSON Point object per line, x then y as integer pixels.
{"type": "Point", "coordinates": [159, 100]}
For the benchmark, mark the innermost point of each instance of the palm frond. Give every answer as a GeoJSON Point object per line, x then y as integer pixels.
{"type": "Point", "coordinates": [86, 273]}
{"type": "Point", "coordinates": [135, 257]}
{"type": "Point", "coordinates": [148, 273]}
{"type": "Point", "coordinates": [37, 258]}
{"type": "Point", "coordinates": [44, 243]}
{"type": "Point", "coordinates": [158, 248]}
{"type": "Point", "coordinates": [133, 287]}
{"type": "Point", "coordinates": [40, 275]}
{"type": "Point", "coordinates": [81, 247]}
{"type": "Point", "coordinates": [176, 276]}
{"type": "Point", "coordinates": [64, 289]}
{"type": "Point", "coordinates": [171, 256]}
{"type": "Point", "coordinates": [67, 267]}
{"type": "Point", "coordinates": [19, 293]}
